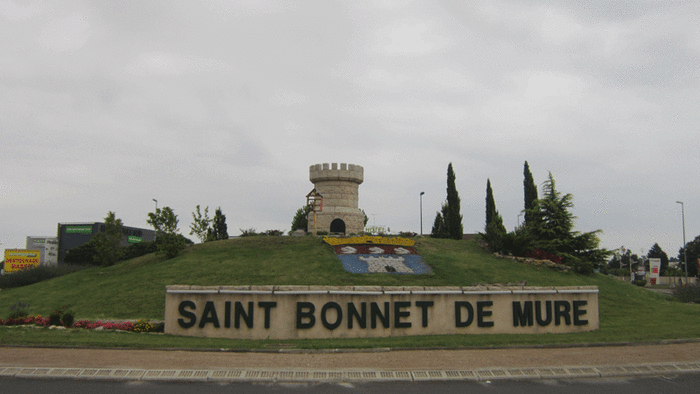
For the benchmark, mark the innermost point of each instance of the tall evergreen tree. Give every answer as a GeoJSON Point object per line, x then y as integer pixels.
{"type": "Point", "coordinates": [530, 194]}
{"type": "Point", "coordinates": [453, 220]}
{"type": "Point", "coordinates": [495, 231]}
{"type": "Point", "coordinates": [219, 228]}
{"type": "Point", "coordinates": [438, 230]}
{"type": "Point", "coordinates": [490, 203]}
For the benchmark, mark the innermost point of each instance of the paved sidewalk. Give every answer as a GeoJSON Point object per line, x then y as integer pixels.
{"type": "Point", "coordinates": [375, 365]}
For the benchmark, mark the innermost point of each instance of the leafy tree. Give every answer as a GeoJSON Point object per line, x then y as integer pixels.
{"type": "Point", "coordinates": [301, 218]}
{"type": "Point", "coordinates": [219, 229]}
{"type": "Point", "coordinates": [495, 231]}
{"type": "Point", "coordinates": [530, 195]}
{"type": "Point", "coordinates": [165, 221]}
{"type": "Point", "coordinates": [200, 224]}
{"type": "Point", "coordinates": [657, 253]}
{"type": "Point", "coordinates": [693, 254]}
{"type": "Point", "coordinates": [107, 243]}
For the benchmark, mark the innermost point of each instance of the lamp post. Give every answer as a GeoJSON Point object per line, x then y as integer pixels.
{"type": "Point", "coordinates": [421, 212]}
{"type": "Point", "coordinates": [156, 201]}
{"type": "Point", "coordinates": [685, 251]}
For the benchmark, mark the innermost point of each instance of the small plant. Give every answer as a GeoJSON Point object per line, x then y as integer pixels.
{"type": "Point", "coordinates": [19, 310]}
{"type": "Point", "coordinates": [62, 316]}
{"type": "Point", "coordinates": [273, 233]}
{"type": "Point", "coordinates": [143, 326]}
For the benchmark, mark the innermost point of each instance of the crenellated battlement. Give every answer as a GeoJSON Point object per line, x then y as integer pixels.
{"type": "Point", "coordinates": [332, 172]}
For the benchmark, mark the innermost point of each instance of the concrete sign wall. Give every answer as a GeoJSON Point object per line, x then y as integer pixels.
{"type": "Point", "coordinates": [301, 312]}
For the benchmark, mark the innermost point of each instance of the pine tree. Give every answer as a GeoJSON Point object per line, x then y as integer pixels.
{"type": "Point", "coordinates": [453, 218]}
{"type": "Point", "coordinates": [530, 195]}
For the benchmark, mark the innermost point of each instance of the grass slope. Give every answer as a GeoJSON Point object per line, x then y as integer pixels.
{"type": "Point", "coordinates": [136, 289]}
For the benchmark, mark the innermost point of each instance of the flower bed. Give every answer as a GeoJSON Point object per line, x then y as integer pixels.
{"type": "Point", "coordinates": [139, 326]}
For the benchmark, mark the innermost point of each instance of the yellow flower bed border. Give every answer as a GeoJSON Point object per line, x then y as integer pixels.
{"type": "Point", "coordinates": [370, 239]}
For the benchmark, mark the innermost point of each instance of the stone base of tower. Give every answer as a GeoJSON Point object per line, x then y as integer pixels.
{"type": "Point", "coordinates": [340, 220]}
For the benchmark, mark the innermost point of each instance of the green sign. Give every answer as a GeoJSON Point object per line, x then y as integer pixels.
{"type": "Point", "coordinates": [79, 230]}
{"type": "Point", "coordinates": [134, 240]}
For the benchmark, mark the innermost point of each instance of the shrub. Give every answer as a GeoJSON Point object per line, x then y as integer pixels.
{"type": "Point", "coordinates": [273, 233]}
{"type": "Point", "coordinates": [640, 282]}
{"type": "Point", "coordinates": [62, 316]}
{"type": "Point", "coordinates": [543, 255]}
{"type": "Point", "coordinates": [687, 293]}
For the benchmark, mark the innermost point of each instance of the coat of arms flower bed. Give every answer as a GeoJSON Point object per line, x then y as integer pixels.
{"type": "Point", "coordinates": [376, 254]}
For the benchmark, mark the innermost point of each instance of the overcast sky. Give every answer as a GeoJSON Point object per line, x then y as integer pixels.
{"type": "Point", "coordinates": [106, 105]}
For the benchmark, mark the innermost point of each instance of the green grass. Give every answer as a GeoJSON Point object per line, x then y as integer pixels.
{"type": "Point", "coordinates": [135, 289]}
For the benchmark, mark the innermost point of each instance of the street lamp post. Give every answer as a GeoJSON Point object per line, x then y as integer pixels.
{"type": "Point", "coordinates": [685, 251]}
{"type": "Point", "coordinates": [156, 201]}
{"type": "Point", "coordinates": [421, 212]}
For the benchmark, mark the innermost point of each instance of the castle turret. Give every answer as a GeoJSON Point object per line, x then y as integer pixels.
{"type": "Point", "coordinates": [338, 212]}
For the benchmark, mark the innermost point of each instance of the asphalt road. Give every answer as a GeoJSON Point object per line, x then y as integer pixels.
{"type": "Point", "coordinates": [668, 384]}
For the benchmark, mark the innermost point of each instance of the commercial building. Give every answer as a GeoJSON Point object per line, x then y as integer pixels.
{"type": "Point", "coordinates": [47, 247]}
{"type": "Point", "coordinates": [72, 235]}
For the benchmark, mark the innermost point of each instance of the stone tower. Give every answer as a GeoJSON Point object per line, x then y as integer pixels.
{"type": "Point", "coordinates": [337, 212]}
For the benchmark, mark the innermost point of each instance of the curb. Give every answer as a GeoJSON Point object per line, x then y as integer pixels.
{"type": "Point", "coordinates": [349, 375]}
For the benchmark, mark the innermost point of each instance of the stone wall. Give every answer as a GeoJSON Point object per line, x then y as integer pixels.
{"type": "Point", "coordinates": [305, 312]}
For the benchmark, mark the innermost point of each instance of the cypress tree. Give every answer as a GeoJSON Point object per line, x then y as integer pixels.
{"type": "Point", "coordinates": [453, 219]}
{"type": "Point", "coordinates": [530, 192]}
{"type": "Point", "coordinates": [495, 231]}
{"type": "Point", "coordinates": [490, 203]}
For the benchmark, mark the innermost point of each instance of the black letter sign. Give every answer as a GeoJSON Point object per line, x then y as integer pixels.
{"type": "Point", "coordinates": [305, 315]}
{"type": "Point", "coordinates": [187, 314]}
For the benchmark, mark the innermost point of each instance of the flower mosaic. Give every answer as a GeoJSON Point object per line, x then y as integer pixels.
{"type": "Point", "coordinates": [376, 254]}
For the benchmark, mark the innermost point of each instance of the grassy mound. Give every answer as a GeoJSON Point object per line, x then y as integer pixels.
{"type": "Point", "coordinates": [135, 289]}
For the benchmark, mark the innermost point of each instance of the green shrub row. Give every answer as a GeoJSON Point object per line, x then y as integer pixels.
{"type": "Point", "coordinates": [34, 275]}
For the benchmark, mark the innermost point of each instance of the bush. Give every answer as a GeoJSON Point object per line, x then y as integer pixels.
{"type": "Point", "coordinates": [249, 232]}
{"type": "Point", "coordinates": [687, 293]}
{"type": "Point", "coordinates": [37, 274]}
{"type": "Point", "coordinates": [640, 282]}
{"type": "Point", "coordinates": [19, 310]}
{"type": "Point", "coordinates": [139, 249]}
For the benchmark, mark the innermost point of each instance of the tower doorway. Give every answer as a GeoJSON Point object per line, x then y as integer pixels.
{"type": "Point", "coordinates": [337, 226]}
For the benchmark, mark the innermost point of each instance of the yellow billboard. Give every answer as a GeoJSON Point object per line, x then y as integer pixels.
{"type": "Point", "coordinates": [19, 259]}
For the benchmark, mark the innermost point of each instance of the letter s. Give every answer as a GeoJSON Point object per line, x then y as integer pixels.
{"type": "Point", "coordinates": [187, 314]}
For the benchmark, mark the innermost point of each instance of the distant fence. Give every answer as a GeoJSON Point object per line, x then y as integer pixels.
{"type": "Point", "coordinates": [665, 280]}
